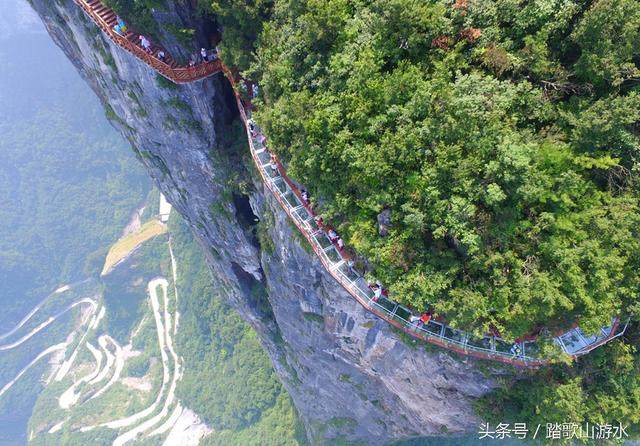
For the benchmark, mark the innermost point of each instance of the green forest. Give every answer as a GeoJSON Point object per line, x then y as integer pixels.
{"type": "Point", "coordinates": [68, 183]}
{"type": "Point", "coordinates": [503, 137]}
{"type": "Point", "coordinates": [228, 378]}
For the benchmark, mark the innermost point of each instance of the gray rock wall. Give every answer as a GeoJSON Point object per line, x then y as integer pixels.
{"type": "Point", "coordinates": [350, 375]}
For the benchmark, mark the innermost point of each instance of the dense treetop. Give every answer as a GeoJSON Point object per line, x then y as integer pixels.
{"type": "Point", "coordinates": [503, 137]}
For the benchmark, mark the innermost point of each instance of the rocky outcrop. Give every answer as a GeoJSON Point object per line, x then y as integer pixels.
{"type": "Point", "coordinates": [384, 222]}
{"type": "Point", "coordinates": [350, 374]}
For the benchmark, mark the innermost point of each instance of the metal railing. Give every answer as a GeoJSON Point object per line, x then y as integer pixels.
{"type": "Point", "coordinates": [179, 74]}
{"type": "Point", "coordinates": [488, 347]}
{"type": "Point", "coordinates": [527, 353]}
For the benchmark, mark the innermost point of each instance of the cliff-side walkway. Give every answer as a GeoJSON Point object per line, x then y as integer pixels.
{"type": "Point", "coordinates": [524, 353]}
{"type": "Point", "coordinates": [106, 19]}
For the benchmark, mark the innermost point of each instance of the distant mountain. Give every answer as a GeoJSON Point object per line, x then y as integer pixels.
{"type": "Point", "coordinates": [18, 18]}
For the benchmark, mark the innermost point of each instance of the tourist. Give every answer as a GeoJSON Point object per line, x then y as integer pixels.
{"type": "Point", "coordinates": [120, 27]}
{"type": "Point", "coordinates": [377, 290]}
{"type": "Point", "coordinates": [204, 55]}
{"type": "Point", "coordinates": [273, 164]}
{"type": "Point", "coordinates": [377, 293]}
{"type": "Point", "coordinates": [415, 320]}
{"type": "Point", "coordinates": [254, 91]}
{"type": "Point", "coordinates": [425, 318]}
{"type": "Point", "coordinates": [340, 243]}
{"type": "Point", "coordinates": [319, 221]}
{"type": "Point", "coordinates": [160, 55]}
{"type": "Point", "coordinates": [145, 43]}
{"type": "Point", "coordinates": [333, 235]}
{"type": "Point", "coordinates": [252, 127]}
{"type": "Point", "coordinates": [351, 265]}
{"type": "Point", "coordinates": [515, 349]}
{"type": "Point", "coordinates": [305, 196]}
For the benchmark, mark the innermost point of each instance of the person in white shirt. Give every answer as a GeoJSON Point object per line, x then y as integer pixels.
{"type": "Point", "coordinates": [145, 43]}
{"type": "Point", "coordinates": [377, 293]}
{"type": "Point", "coordinates": [274, 165]}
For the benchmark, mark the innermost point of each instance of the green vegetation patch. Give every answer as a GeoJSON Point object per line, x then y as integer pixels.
{"type": "Point", "coordinates": [228, 378]}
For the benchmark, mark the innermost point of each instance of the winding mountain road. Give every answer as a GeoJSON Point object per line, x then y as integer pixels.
{"type": "Point", "coordinates": [48, 351]}
{"type": "Point", "coordinates": [48, 322]}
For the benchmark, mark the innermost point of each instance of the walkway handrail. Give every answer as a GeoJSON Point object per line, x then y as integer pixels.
{"type": "Point", "coordinates": [526, 354]}
{"type": "Point", "coordinates": [487, 347]}
{"type": "Point", "coordinates": [177, 74]}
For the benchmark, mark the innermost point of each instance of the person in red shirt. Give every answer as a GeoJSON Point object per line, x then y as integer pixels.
{"type": "Point", "coordinates": [425, 318]}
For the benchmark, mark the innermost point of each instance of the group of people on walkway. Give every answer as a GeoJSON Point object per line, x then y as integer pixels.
{"type": "Point", "coordinates": [203, 56]}
{"type": "Point", "coordinates": [335, 239]}
{"type": "Point", "coordinates": [121, 28]}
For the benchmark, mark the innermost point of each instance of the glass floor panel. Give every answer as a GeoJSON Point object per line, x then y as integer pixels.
{"type": "Point", "coordinates": [313, 226]}
{"type": "Point", "coordinates": [361, 284]}
{"type": "Point", "coordinates": [291, 198]}
{"type": "Point", "coordinates": [264, 157]}
{"type": "Point", "coordinates": [456, 335]}
{"type": "Point", "coordinates": [280, 185]}
{"type": "Point", "coordinates": [323, 241]}
{"type": "Point", "coordinates": [270, 173]}
{"type": "Point", "coordinates": [386, 304]}
{"type": "Point", "coordinates": [403, 313]}
{"type": "Point", "coordinates": [480, 342]}
{"type": "Point", "coordinates": [590, 339]}
{"type": "Point", "coordinates": [433, 327]}
{"type": "Point", "coordinates": [348, 272]}
{"type": "Point", "coordinates": [333, 255]}
{"type": "Point", "coordinates": [572, 341]}
{"type": "Point", "coordinates": [303, 215]}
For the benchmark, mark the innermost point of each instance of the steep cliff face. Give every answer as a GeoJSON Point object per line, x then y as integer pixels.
{"type": "Point", "coordinates": [349, 374]}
